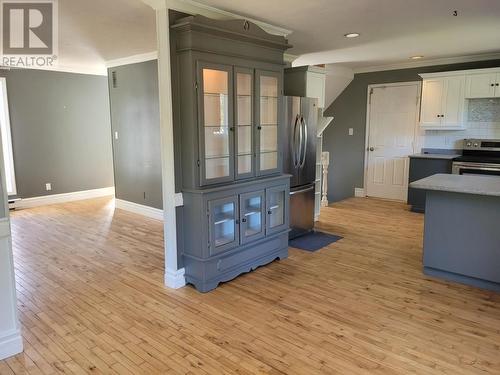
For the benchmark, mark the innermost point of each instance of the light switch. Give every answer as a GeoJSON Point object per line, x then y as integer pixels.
{"type": "Point", "coordinates": [351, 131]}
{"type": "Point", "coordinates": [116, 135]}
{"type": "Point", "coordinates": [48, 186]}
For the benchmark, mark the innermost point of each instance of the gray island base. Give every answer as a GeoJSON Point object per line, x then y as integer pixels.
{"type": "Point", "coordinates": [462, 229]}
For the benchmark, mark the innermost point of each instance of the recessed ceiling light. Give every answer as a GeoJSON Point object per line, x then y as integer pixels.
{"type": "Point", "coordinates": [418, 57]}
{"type": "Point", "coordinates": [351, 35]}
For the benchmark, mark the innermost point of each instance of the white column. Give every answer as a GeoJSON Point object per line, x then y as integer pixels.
{"type": "Point", "coordinates": [174, 277]}
{"type": "Point", "coordinates": [325, 162]}
{"type": "Point", "coordinates": [11, 342]}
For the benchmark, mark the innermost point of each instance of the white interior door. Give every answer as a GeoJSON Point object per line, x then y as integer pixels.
{"type": "Point", "coordinates": [393, 115]}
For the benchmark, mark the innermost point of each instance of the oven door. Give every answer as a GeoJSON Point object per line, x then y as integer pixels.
{"type": "Point", "coordinates": [465, 168]}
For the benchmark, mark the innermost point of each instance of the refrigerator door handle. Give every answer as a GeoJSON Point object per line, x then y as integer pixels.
{"type": "Point", "coordinates": [304, 125]}
{"type": "Point", "coordinates": [301, 142]}
{"type": "Point", "coordinates": [302, 190]}
{"type": "Point", "coordinates": [294, 148]}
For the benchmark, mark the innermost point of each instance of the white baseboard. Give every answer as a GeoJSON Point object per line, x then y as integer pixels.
{"type": "Point", "coordinates": [65, 197]}
{"type": "Point", "coordinates": [154, 213]}
{"type": "Point", "coordinates": [175, 279]}
{"type": "Point", "coordinates": [359, 192]}
{"type": "Point", "coordinates": [11, 344]}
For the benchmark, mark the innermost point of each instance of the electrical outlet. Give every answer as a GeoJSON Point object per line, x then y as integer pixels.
{"type": "Point", "coordinates": [351, 131]}
{"type": "Point", "coordinates": [48, 186]}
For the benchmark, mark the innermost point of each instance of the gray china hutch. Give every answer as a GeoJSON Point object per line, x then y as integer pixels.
{"type": "Point", "coordinates": [228, 116]}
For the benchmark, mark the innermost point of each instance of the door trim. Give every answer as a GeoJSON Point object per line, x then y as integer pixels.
{"type": "Point", "coordinates": [416, 146]}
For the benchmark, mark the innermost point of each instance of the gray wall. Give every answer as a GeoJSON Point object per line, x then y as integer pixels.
{"type": "Point", "coordinates": [135, 116]}
{"type": "Point", "coordinates": [60, 131]}
{"type": "Point", "coordinates": [347, 153]}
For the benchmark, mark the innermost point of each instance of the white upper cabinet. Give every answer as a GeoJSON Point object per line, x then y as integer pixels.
{"type": "Point", "coordinates": [485, 85]}
{"type": "Point", "coordinates": [443, 102]}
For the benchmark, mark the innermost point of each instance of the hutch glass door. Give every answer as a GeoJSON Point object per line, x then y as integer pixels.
{"type": "Point", "coordinates": [269, 92]}
{"type": "Point", "coordinates": [224, 226]}
{"type": "Point", "coordinates": [217, 124]}
{"type": "Point", "coordinates": [252, 216]}
{"type": "Point", "coordinates": [276, 209]}
{"type": "Point", "coordinates": [244, 123]}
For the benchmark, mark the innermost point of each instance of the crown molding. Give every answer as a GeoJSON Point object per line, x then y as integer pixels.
{"type": "Point", "coordinates": [96, 71]}
{"type": "Point", "coordinates": [134, 59]}
{"type": "Point", "coordinates": [194, 7]}
{"type": "Point", "coordinates": [429, 62]}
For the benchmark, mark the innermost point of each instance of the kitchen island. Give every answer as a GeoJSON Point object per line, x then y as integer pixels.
{"type": "Point", "coordinates": [462, 228]}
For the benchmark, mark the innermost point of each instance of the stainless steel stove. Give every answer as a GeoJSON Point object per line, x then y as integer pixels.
{"type": "Point", "coordinates": [479, 157]}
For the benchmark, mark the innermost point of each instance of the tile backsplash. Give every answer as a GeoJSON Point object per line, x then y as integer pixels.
{"type": "Point", "coordinates": [483, 122]}
{"type": "Point", "coordinates": [484, 110]}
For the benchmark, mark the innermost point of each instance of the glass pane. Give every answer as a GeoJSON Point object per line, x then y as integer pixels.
{"type": "Point", "coordinates": [269, 123]}
{"type": "Point", "coordinates": [244, 140]}
{"type": "Point", "coordinates": [244, 121]}
{"type": "Point", "coordinates": [244, 116]}
{"type": "Point", "coordinates": [268, 86]}
{"type": "Point", "coordinates": [269, 138]}
{"type": "Point", "coordinates": [217, 167]}
{"type": "Point", "coordinates": [224, 217]}
{"type": "Point", "coordinates": [268, 111]}
{"type": "Point", "coordinates": [216, 117]}
{"type": "Point", "coordinates": [244, 164]}
{"type": "Point", "coordinates": [253, 210]}
{"type": "Point", "coordinates": [268, 160]}
{"type": "Point", "coordinates": [216, 142]}
{"type": "Point", "coordinates": [276, 206]}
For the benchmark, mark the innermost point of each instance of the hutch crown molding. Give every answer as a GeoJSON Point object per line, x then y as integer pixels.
{"type": "Point", "coordinates": [228, 95]}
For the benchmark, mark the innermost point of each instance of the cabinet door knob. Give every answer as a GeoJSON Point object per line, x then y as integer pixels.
{"type": "Point", "coordinates": [372, 148]}
{"type": "Point", "coordinates": [492, 84]}
{"type": "Point", "coordinates": [269, 212]}
{"type": "Point", "coordinates": [244, 220]}
{"type": "Point", "coordinates": [497, 84]}
{"type": "Point", "coordinates": [259, 127]}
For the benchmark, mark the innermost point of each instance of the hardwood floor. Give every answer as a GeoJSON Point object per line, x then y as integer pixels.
{"type": "Point", "coordinates": [92, 300]}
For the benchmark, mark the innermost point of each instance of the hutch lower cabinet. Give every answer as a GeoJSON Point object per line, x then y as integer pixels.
{"type": "Point", "coordinates": [228, 126]}
{"type": "Point", "coordinates": [232, 231]}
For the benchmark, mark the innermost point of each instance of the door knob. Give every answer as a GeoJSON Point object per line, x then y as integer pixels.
{"type": "Point", "coordinates": [372, 148]}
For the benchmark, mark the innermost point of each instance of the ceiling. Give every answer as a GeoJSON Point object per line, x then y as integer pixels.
{"type": "Point", "coordinates": [95, 31]}
{"type": "Point", "coordinates": [391, 30]}
{"type": "Point", "coordinates": [92, 32]}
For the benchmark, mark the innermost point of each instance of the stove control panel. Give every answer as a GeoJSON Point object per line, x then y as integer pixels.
{"type": "Point", "coordinates": [482, 144]}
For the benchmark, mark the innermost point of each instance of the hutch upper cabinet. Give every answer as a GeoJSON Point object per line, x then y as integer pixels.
{"type": "Point", "coordinates": [228, 121]}
{"type": "Point", "coordinates": [231, 93]}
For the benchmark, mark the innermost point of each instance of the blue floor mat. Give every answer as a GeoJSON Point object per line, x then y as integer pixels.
{"type": "Point", "coordinates": [313, 241]}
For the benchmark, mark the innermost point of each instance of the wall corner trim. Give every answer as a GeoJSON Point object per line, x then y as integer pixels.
{"type": "Point", "coordinates": [359, 192]}
{"type": "Point", "coordinates": [11, 344]}
{"type": "Point", "coordinates": [64, 197]}
{"type": "Point", "coordinates": [175, 279]}
{"type": "Point", "coordinates": [140, 209]}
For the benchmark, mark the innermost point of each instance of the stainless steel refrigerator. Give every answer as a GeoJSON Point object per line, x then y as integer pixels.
{"type": "Point", "coordinates": [301, 116]}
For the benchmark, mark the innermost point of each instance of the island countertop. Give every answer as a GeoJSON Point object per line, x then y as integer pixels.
{"type": "Point", "coordinates": [466, 184]}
